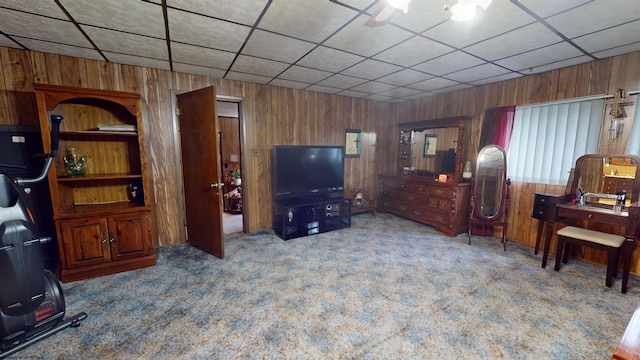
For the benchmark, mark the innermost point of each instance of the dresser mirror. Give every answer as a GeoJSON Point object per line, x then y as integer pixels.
{"type": "Point", "coordinates": [600, 177]}
{"type": "Point", "coordinates": [433, 147]}
{"type": "Point", "coordinates": [433, 151]}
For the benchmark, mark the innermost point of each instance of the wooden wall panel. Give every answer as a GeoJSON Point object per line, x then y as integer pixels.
{"type": "Point", "coordinates": [275, 115]}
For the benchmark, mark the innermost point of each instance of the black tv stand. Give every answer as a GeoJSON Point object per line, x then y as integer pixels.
{"type": "Point", "coordinates": [296, 217]}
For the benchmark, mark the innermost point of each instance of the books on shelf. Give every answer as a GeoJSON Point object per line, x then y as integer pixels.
{"type": "Point", "coordinates": [116, 127]}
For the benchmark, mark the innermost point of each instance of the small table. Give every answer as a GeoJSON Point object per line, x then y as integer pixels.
{"type": "Point", "coordinates": [364, 209]}
{"type": "Point", "coordinates": [629, 346]}
{"type": "Point", "coordinates": [545, 210]}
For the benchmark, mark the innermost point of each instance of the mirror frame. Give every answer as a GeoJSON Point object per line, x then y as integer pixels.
{"type": "Point", "coordinates": [575, 178]}
{"type": "Point", "coordinates": [463, 123]}
{"type": "Point", "coordinates": [504, 188]}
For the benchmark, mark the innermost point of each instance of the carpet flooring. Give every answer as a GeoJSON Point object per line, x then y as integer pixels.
{"type": "Point", "coordinates": [386, 288]}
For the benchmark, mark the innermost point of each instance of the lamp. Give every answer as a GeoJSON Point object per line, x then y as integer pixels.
{"type": "Point", "coordinates": [465, 10]}
{"type": "Point", "coordinates": [400, 5]}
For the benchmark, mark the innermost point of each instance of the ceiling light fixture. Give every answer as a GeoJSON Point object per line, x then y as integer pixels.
{"type": "Point", "coordinates": [401, 4]}
{"type": "Point", "coordinates": [465, 10]}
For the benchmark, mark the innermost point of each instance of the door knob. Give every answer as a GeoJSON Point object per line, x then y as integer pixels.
{"type": "Point", "coordinates": [215, 185]}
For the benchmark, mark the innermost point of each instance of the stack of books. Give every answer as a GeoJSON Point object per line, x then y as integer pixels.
{"type": "Point", "coordinates": [116, 127]}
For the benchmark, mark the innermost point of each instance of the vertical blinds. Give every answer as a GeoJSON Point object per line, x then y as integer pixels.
{"type": "Point", "coordinates": [548, 139]}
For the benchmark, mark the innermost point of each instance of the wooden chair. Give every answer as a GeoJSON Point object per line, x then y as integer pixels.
{"type": "Point", "coordinates": [612, 244]}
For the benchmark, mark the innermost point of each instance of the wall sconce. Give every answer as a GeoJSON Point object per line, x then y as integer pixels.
{"type": "Point", "coordinates": [234, 158]}
{"type": "Point", "coordinates": [617, 114]}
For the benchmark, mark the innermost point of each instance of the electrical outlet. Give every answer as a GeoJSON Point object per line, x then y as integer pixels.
{"type": "Point", "coordinates": [256, 152]}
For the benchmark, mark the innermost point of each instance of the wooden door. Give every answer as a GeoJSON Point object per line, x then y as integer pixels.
{"type": "Point", "coordinates": [200, 163]}
{"type": "Point", "coordinates": [84, 242]}
{"type": "Point", "coordinates": [128, 235]}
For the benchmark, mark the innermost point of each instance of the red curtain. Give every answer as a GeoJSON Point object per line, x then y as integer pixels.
{"type": "Point", "coordinates": [496, 129]}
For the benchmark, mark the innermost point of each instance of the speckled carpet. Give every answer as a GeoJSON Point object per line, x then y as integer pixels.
{"type": "Point", "coordinates": [385, 288]}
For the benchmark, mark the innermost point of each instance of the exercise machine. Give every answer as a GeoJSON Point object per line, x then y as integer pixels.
{"type": "Point", "coordinates": [32, 305]}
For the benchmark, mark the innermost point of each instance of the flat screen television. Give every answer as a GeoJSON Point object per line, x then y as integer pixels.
{"type": "Point", "coordinates": [307, 171]}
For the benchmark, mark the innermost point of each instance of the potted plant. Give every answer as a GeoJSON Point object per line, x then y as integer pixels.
{"type": "Point", "coordinates": [235, 175]}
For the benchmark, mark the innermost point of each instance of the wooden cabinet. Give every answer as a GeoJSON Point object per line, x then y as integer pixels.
{"type": "Point", "coordinates": [445, 206]}
{"type": "Point", "coordinates": [102, 226]}
{"type": "Point", "coordinates": [613, 184]}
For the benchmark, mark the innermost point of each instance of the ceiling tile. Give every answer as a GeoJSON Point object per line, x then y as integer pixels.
{"type": "Point", "coordinates": [256, 79]}
{"type": "Point", "coordinates": [373, 87]}
{"type": "Point", "coordinates": [366, 41]}
{"type": "Point", "coordinates": [302, 74]}
{"type": "Point", "coordinates": [68, 50]}
{"type": "Point", "coordinates": [244, 12]}
{"type": "Point", "coordinates": [559, 64]}
{"type": "Point", "coordinates": [116, 41]}
{"type": "Point", "coordinates": [432, 84]}
{"type": "Point", "coordinates": [376, 97]}
{"type": "Point", "coordinates": [544, 56]}
{"type": "Point", "coordinates": [41, 7]}
{"type": "Point", "coordinates": [400, 92]}
{"type": "Point", "coordinates": [507, 76]}
{"type": "Point", "coordinates": [4, 41]}
{"type": "Point", "coordinates": [328, 59]}
{"type": "Point", "coordinates": [360, 4]}
{"type": "Point", "coordinates": [448, 63]}
{"type": "Point", "coordinates": [608, 14]}
{"type": "Point", "coordinates": [514, 42]}
{"type": "Point", "coordinates": [618, 51]}
{"type": "Point", "coordinates": [132, 16]}
{"type": "Point", "coordinates": [352, 93]}
{"type": "Point", "coordinates": [276, 47]}
{"type": "Point", "coordinates": [137, 61]}
{"type": "Point", "coordinates": [610, 38]}
{"type": "Point", "coordinates": [41, 28]}
{"type": "Point", "coordinates": [293, 18]}
{"type": "Point", "coordinates": [198, 70]}
{"type": "Point", "coordinates": [204, 31]}
{"type": "Point", "coordinates": [404, 77]}
{"type": "Point", "coordinates": [323, 89]}
{"type": "Point", "coordinates": [476, 73]}
{"type": "Point", "coordinates": [342, 81]}
{"type": "Point", "coordinates": [545, 8]}
{"type": "Point", "coordinates": [257, 66]}
{"type": "Point", "coordinates": [413, 51]}
{"type": "Point", "coordinates": [486, 24]}
{"type": "Point", "coordinates": [458, 87]}
{"type": "Point", "coordinates": [288, 84]}
{"type": "Point", "coordinates": [371, 69]}
{"type": "Point", "coordinates": [189, 54]}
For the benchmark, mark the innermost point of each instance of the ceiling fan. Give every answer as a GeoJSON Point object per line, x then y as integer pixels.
{"type": "Point", "coordinates": [386, 11]}
{"type": "Point", "coordinates": [463, 10]}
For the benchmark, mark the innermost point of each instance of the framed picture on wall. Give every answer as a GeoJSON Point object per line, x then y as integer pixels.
{"type": "Point", "coordinates": [430, 144]}
{"type": "Point", "coordinates": [352, 143]}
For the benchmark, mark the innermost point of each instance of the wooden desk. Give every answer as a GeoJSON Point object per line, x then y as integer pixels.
{"type": "Point", "coordinates": [627, 218]}
{"type": "Point", "coordinates": [629, 346]}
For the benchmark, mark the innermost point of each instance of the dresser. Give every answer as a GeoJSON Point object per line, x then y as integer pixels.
{"type": "Point", "coordinates": [443, 205]}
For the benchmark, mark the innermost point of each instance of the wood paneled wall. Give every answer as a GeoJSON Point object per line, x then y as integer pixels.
{"type": "Point", "coordinates": [274, 116]}
{"type": "Point", "coordinates": [271, 116]}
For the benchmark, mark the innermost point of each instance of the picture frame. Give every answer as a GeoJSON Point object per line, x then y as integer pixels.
{"type": "Point", "coordinates": [352, 146]}
{"type": "Point", "coordinates": [430, 145]}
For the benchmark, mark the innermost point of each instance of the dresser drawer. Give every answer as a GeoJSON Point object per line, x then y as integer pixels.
{"type": "Point", "coordinates": [413, 198]}
{"type": "Point", "coordinates": [420, 189]}
{"type": "Point", "coordinates": [440, 192]}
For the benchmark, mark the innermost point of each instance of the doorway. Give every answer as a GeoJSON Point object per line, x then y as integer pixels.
{"type": "Point", "coordinates": [231, 163]}
{"type": "Point", "coordinates": [239, 222]}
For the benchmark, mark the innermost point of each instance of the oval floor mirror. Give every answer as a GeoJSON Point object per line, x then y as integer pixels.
{"type": "Point", "coordinates": [490, 193]}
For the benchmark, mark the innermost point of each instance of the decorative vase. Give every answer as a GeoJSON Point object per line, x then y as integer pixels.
{"type": "Point", "coordinates": [238, 181]}
{"type": "Point", "coordinates": [75, 165]}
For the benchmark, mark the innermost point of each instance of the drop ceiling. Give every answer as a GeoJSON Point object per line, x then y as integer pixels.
{"type": "Point", "coordinates": [324, 45]}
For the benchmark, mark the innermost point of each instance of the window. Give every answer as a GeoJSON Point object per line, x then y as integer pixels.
{"type": "Point", "coordinates": [548, 139]}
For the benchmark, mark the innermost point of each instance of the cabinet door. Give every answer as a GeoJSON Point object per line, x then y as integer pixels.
{"type": "Point", "coordinates": [84, 242]}
{"type": "Point", "coordinates": [129, 235]}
